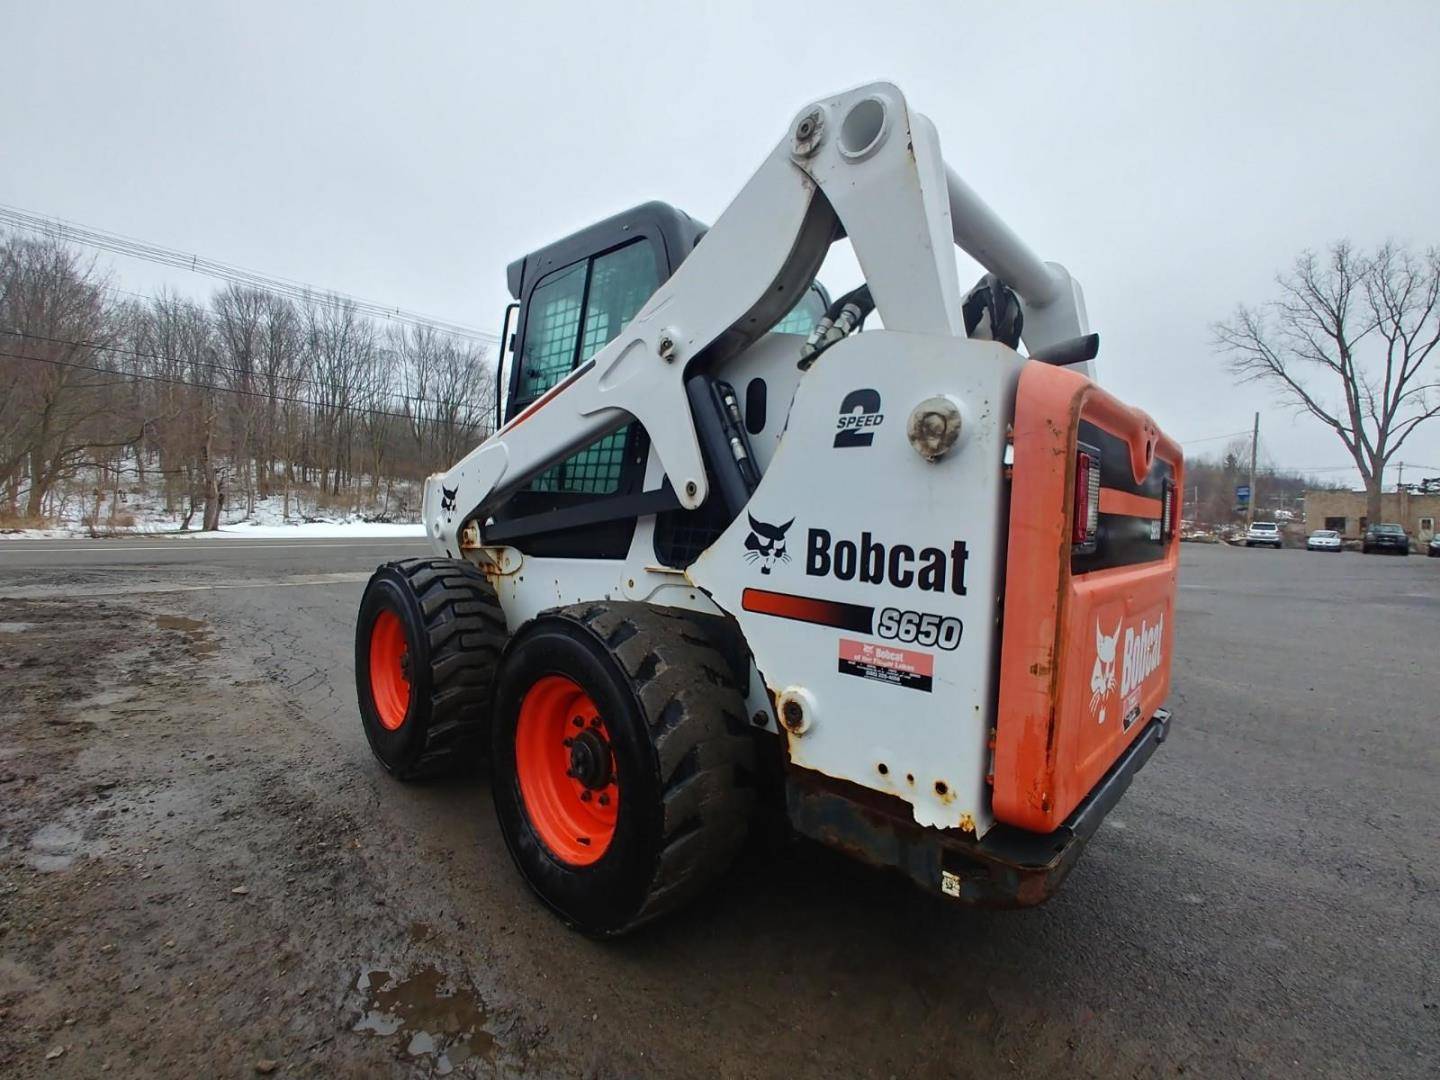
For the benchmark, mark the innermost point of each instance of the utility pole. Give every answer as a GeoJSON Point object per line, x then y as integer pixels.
{"type": "Point", "coordinates": [1402, 499]}
{"type": "Point", "coordinates": [1254, 445]}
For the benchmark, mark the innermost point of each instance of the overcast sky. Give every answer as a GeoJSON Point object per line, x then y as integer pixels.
{"type": "Point", "coordinates": [1172, 156]}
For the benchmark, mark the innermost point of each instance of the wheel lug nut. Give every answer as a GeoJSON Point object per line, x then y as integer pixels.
{"type": "Point", "coordinates": [604, 800]}
{"type": "Point", "coordinates": [578, 722]}
{"type": "Point", "coordinates": [567, 742]}
{"type": "Point", "coordinates": [584, 796]}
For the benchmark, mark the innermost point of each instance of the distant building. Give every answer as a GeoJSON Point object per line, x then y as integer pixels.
{"type": "Point", "coordinates": [1344, 511]}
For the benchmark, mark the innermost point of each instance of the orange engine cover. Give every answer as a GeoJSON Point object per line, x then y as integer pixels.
{"type": "Point", "coordinates": [1087, 638]}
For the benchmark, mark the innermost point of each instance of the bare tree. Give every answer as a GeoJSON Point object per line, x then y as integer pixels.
{"type": "Point", "coordinates": [282, 373]}
{"type": "Point", "coordinates": [180, 346]}
{"type": "Point", "coordinates": [239, 323]}
{"type": "Point", "coordinates": [341, 344]}
{"type": "Point", "coordinates": [379, 420]}
{"type": "Point", "coordinates": [464, 400]}
{"type": "Point", "coordinates": [55, 329]}
{"type": "Point", "coordinates": [1349, 341]}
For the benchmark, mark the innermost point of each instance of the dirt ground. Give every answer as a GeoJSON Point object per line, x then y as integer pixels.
{"type": "Point", "coordinates": [178, 897]}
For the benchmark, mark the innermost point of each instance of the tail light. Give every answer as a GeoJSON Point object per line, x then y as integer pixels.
{"type": "Point", "coordinates": [1085, 527]}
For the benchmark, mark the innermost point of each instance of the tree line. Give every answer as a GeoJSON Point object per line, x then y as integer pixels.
{"type": "Point", "coordinates": [245, 396]}
{"type": "Point", "coordinates": [1211, 480]}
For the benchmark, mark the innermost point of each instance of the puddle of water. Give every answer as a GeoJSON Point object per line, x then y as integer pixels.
{"type": "Point", "coordinates": [16, 627]}
{"type": "Point", "coordinates": [179, 622]}
{"type": "Point", "coordinates": [428, 1011]}
{"type": "Point", "coordinates": [195, 629]}
{"type": "Point", "coordinates": [57, 844]}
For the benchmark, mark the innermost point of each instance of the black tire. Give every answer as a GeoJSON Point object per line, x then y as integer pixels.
{"type": "Point", "coordinates": [684, 759]}
{"type": "Point", "coordinates": [454, 635]}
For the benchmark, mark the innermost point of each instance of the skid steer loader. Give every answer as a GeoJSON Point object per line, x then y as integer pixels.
{"type": "Point", "coordinates": [724, 556]}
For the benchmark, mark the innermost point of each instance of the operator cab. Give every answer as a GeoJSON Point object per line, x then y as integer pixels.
{"type": "Point", "coordinates": [572, 297]}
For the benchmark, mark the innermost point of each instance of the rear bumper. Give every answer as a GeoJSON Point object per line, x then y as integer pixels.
{"type": "Point", "coordinates": [1009, 867]}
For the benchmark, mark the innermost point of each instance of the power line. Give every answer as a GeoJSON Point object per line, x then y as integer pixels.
{"type": "Point", "coordinates": [1213, 438]}
{"type": "Point", "coordinates": [208, 364]}
{"type": "Point", "coordinates": [130, 247]}
{"type": "Point", "coordinates": [125, 378]}
{"type": "Point", "coordinates": [258, 375]}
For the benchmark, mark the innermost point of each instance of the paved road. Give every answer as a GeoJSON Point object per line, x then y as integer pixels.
{"type": "Point", "coordinates": [1265, 901]}
{"type": "Point", "coordinates": [199, 558]}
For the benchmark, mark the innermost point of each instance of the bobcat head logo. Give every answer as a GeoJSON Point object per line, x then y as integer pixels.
{"type": "Point", "coordinates": [447, 498]}
{"type": "Point", "coordinates": [766, 543]}
{"type": "Point", "coordinates": [1102, 677]}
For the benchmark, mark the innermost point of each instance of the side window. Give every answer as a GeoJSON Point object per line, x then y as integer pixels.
{"type": "Point", "coordinates": [619, 282]}
{"type": "Point", "coordinates": [554, 320]}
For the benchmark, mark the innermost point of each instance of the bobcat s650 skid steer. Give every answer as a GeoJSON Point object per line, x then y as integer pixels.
{"type": "Point", "coordinates": [911, 588]}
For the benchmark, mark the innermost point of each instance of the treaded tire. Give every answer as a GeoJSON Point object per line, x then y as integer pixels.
{"type": "Point", "coordinates": [454, 634]}
{"type": "Point", "coordinates": [684, 759]}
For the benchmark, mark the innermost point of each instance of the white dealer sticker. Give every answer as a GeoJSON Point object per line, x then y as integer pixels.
{"type": "Point", "coordinates": [887, 664]}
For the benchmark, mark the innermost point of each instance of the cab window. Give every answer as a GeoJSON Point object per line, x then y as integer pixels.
{"type": "Point", "coordinates": [574, 313]}
{"type": "Point", "coordinates": [804, 315]}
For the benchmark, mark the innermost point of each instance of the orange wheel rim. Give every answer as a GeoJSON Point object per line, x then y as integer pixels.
{"type": "Point", "coordinates": [389, 669]}
{"type": "Point", "coordinates": [566, 769]}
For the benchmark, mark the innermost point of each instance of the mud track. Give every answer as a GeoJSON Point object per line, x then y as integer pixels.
{"type": "Point", "coordinates": [180, 899]}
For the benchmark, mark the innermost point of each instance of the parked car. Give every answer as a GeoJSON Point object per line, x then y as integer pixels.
{"type": "Point", "coordinates": [1263, 532]}
{"type": "Point", "coordinates": [1434, 549]}
{"type": "Point", "coordinates": [1323, 540]}
{"type": "Point", "coordinates": [1386, 537]}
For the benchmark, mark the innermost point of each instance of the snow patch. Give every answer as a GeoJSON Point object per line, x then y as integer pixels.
{"type": "Point", "coordinates": [89, 505]}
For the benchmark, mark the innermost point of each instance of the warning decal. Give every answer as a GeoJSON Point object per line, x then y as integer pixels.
{"type": "Point", "coordinates": [887, 664]}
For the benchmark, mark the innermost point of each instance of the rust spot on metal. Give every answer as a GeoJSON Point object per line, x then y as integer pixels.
{"type": "Point", "coordinates": [793, 716]}
{"type": "Point", "coordinates": [878, 829]}
{"type": "Point", "coordinates": [942, 789]}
